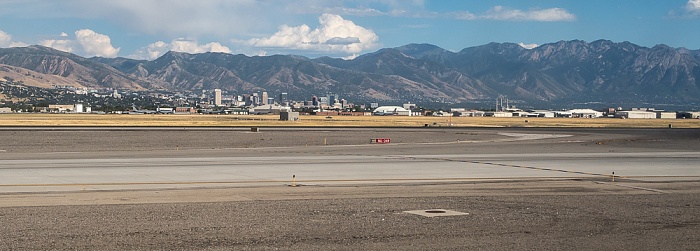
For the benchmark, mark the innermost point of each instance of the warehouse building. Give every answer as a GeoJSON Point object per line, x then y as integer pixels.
{"type": "Point", "coordinates": [665, 115]}
{"type": "Point", "coordinates": [635, 115]}
{"type": "Point", "coordinates": [689, 115]}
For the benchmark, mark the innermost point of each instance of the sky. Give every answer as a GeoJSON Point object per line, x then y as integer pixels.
{"type": "Point", "coordinates": [146, 29]}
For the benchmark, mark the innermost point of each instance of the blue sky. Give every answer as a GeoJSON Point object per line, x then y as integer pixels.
{"type": "Point", "coordinates": [145, 29]}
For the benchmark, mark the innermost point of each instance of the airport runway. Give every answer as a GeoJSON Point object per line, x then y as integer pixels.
{"type": "Point", "coordinates": [44, 175]}
{"type": "Point", "coordinates": [442, 160]}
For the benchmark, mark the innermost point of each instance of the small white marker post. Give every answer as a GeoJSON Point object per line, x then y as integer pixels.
{"type": "Point", "coordinates": [294, 180]}
{"type": "Point", "coordinates": [613, 176]}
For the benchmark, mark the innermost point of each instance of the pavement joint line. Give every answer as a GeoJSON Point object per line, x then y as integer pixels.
{"type": "Point", "coordinates": [273, 181]}
{"type": "Point", "coordinates": [633, 187]}
{"type": "Point", "coordinates": [565, 171]}
{"type": "Point", "coordinates": [519, 166]}
{"type": "Point", "coordinates": [330, 181]}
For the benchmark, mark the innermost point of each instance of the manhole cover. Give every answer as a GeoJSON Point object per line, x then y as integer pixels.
{"type": "Point", "coordinates": [436, 212]}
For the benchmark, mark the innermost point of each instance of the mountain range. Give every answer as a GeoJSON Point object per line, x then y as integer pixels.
{"type": "Point", "coordinates": [561, 72]}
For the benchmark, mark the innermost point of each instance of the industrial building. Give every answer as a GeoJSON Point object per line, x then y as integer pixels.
{"type": "Point", "coordinates": [585, 113]}
{"type": "Point", "coordinates": [689, 115]}
{"type": "Point", "coordinates": [635, 114]}
{"type": "Point", "coordinates": [61, 108]}
{"type": "Point", "coordinates": [498, 114]}
{"type": "Point", "coordinates": [289, 116]}
{"type": "Point", "coordinates": [185, 110]}
{"type": "Point", "coordinates": [268, 109]}
{"type": "Point", "coordinates": [540, 113]}
{"type": "Point", "coordinates": [665, 115]}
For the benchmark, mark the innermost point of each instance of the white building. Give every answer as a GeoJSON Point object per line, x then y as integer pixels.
{"type": "Point", "coordinates": [585, 113]}
{"type": "Point", "coordinates": [167, 110]}
{"type": "Point", "coordinates": [217, 97]}
{"type": "Point", "coordinates": [79, 108]}
{"type": "Point", "coordinates": [391, 110]}
{"type": "Point", "coordinates": [264, 99]}
{"type": "Point", "coordinates": [540, 113]}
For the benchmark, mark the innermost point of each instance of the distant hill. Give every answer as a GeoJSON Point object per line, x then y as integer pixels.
{"type": "Point", "coordinates": [561, 72]}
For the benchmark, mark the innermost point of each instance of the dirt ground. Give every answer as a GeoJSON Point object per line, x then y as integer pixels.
{"type": "Point", "coordinates": [588, 214]}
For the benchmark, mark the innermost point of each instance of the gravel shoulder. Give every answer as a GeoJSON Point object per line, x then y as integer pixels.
{"type": "Point", "coordinates": [520, 216]}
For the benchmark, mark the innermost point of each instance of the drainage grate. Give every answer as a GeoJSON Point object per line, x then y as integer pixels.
{"type": "Point", "coordinates": [436, 212]}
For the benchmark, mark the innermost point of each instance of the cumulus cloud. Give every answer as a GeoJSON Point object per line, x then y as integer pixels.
{"type": "Point", "coordinates": [528, 46]}
{"type": "Point", "coordinates": [693, 6]}
{"type": "Point", "coordinates": [96, 44]}
{"type": "Point", "coordinates": [334, 34]}
{"type": "Point", "coordinates": [544, 15]}
{"type": "Point", "coordinates": [6, 41]}
{"type": "Point", "coordinates": [159, 48]}
{"type": "Point", "coordinates": [59, 44]}
{"type": "Point", "coordinates": [87, 43]}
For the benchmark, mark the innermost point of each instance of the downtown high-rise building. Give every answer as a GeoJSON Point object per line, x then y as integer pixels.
{"type": "Point", "coordinates": [264, 98]}
{"type": "Point", "coordinates": [217, 97]}
{"type": "Point", "coordinates": [283, 98]}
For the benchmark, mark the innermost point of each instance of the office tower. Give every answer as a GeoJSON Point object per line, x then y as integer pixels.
{"type": "Point", "coordinates": [217, 97]}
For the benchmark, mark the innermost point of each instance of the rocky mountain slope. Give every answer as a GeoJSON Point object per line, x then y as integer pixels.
{"type": "Point", "coordinates": [81, 71]}
{"type": "Point", "coordinates": [567, 70]}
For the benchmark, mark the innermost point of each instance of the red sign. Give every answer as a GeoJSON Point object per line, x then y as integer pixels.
{"type": "Point", "coordinates": [382, 140]}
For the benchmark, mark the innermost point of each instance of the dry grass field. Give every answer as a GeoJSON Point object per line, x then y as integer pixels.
{"type": "Point", "coordinates": [335, 121]}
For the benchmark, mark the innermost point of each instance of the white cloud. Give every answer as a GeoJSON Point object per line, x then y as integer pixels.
{"type": "Point", "coordinates": [159, 48]}
{"type": "Point", "coordinates": [462, 15]}
{"type": "Point", "coordinates": [179, 18]}
{"type": "Point", "coordinates": [693, 6]}
{"type": "Point", "coordinates": [59, 44]}
{"type": "Point", "coordinates": [96, 44]}
{"type": "Point", "coordinates": [528, 46]}
{"type": "Point", "coordinates": [545, 15]}
{"type": "Point", "coordinates": [6, 41]}
{"type": "Point", "coordinates": [416, 9]}
{"type": "Point", "coordinates": [334, 34]}
{"type": "Point", "coordinates": [87, 42]}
